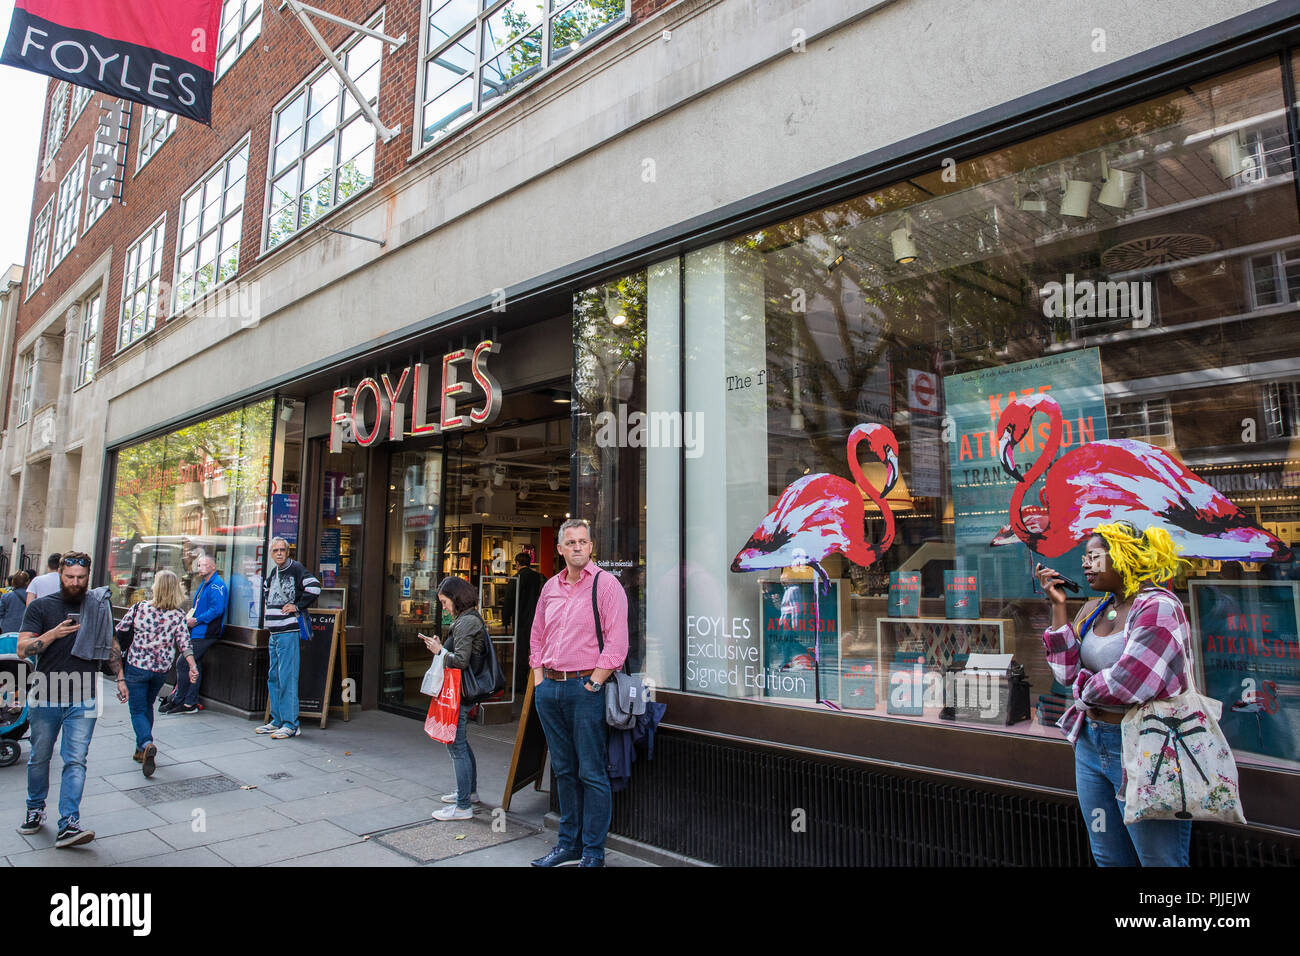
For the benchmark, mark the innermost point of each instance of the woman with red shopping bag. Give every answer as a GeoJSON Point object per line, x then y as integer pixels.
{"type": "Point", "coordinates": [448, 714]}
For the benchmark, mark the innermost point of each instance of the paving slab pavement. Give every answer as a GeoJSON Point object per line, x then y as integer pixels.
{"type": "Point", "coordinates": [357, 793]}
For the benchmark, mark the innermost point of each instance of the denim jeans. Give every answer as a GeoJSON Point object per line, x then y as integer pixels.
{"type": "Point", "coordinates": [47, 721]}
{"type": "Point", "coordinates": [573, 719]}
{"type": "Point", "coordinates": [142, 687]}
{"type": "Point", "coordinates": [1099, 774]}
{"type": "Point", "coordinates": [462, 758]}
{"type": "Point", "coordinates": [282, 679]}
{"type": "Point", "coordinates": [188, 693]}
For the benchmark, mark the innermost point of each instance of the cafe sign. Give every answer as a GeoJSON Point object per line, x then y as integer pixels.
{"type": "Point", "coordinates": [377, 409]}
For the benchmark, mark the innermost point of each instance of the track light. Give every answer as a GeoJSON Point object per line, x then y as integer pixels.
{"type": "Point", "coordinates": [524, 488]}
{"type": "Point", "coordinates": [1117, 187]}
{"type": "Point", "coordinates": [499, 475]}
{"type": "Point", "coordinates": [1229, 156]}
{"type": "Point", "coordinates": [553, 480]}
{"type": "Point", "coordinates": [560, 397]}
{"type": "Point", "coordinates": [834, 258]}
{"type": "Point", "coordinates": [900, 241]}
{"type": "Point", "coordinates": [1075, 196]}
{"type": "Point", "coordinates": [1035, 204]}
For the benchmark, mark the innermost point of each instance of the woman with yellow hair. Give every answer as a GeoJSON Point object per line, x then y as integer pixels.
{"type": "Point", "coordinates": [1120, 651]}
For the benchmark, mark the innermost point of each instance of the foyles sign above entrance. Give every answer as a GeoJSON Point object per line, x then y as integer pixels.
{"type": "Point", "coordinates": [389, 400]}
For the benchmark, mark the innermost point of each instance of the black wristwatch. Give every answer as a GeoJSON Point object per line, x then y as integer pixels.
{"type": "Point", "coordinates": [597, 683]}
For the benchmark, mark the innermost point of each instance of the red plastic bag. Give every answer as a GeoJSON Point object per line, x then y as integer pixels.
{"type": "Point", "coordinates": [444, 710]}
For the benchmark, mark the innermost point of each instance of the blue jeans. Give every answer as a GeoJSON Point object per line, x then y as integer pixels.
{"type": "Point", "coordinates": [142, 687]}
{"type": "Point", "coordinates": [47, 721]}
{"type": "Point", "coordinates": [185, 692]}
{"type": "Point", "coordinates": [462, 758]}
{"type": "Point", "coordinates": [282, 679]}
{"type": "Point", "coordinates": [573, 719]}
{"type": "Point", "coordinates": [1098, 775]}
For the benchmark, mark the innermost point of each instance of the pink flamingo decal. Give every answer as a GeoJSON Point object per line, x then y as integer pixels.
{"type": "Point", "coordinates": [1115, 480]}
{"type": "Point", "coordinates": [819, 515]}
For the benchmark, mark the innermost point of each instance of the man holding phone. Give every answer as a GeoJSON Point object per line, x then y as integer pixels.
{"type": "Point", "coordinates": [70, 633]}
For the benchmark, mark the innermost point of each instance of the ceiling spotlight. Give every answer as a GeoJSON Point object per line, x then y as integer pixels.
{"type": "Point", "coordinates": [1033, 201]}
{"type": "Point", "coordinates": [560, 397]}
{"type": "Point", "coordinates": [900, 240]}
{"type": "Point", "coordinates": [834, 258]}
{"type": "Point", "coordinates": [553, 480]}
{"type": "Point", "coordinates": [1075, 196]}
{"type": "Point", "coordinates": [524, 487]}
{"type": "Point", "coordinates": [499, 475]}
{"type": "Point", "coordinates": [619, 320]}
{"type": "Point", "coordinates": [1117, 187]}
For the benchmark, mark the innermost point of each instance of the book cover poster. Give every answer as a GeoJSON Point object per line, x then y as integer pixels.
{"type": "Point", "coordinates": [906, 684]}
{"type": "Point", "coordinates": [982, 490]}
{"type": "Point", "coordinates": [858, 684]}
{"type": "Point", "coordinates": [1246, 632]}
{"type": "Point", "coordinates": [961, 594]}
{"type": "Point", "coordinates": [791, 621]}
{"type": "Point", "coordinates": [905, 594]}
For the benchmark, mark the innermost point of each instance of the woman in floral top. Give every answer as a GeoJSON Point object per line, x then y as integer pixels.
{"type": "Point", "coordinates": [1120, 651]}
{"type": "Point", "coordinates": [160, 637]}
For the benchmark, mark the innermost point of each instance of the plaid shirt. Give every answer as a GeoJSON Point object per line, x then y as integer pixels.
{"type": "Point", "coordinates": [1152, 665]}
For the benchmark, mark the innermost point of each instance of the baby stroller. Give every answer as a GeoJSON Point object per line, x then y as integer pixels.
{"type": "Point", "coordinates": [13, 699]}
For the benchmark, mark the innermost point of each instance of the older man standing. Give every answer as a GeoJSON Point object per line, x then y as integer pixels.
{"type": "Point", "coordinates": [288, 589]}
{"type": "Point", "coordinates": [205, 622]}
{"type": "Point", "coordinates": [573, 653]}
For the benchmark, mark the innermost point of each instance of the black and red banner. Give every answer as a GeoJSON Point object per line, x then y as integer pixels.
{"type": "Point", "coordinates": [158, 52]}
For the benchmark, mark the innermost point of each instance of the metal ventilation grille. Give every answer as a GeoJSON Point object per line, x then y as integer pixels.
{"type": "Point", "coordinates": [736, 806]}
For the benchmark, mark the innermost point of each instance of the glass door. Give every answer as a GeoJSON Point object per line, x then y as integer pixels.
{"type": "Point", "coordinates": [410, 582]}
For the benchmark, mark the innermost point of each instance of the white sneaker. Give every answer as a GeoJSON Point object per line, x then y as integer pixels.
{"type": "Point", "coordinates": [451, 797]}
{"type": "Point", "coordinates": [284, 733]}
{"type": "Point", "coordinates": [453, 813]}
{"type": "Point", "coordinates": [267, 729]}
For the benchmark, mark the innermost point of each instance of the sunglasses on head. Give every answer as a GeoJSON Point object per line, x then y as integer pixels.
{"type": "Point", "coordinates": [69, 562]}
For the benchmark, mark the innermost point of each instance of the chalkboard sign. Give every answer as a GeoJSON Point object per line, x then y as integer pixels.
{"type": "Point", "coordinates": [529, 759]}
{"type": "Point", "coordinates": [316, 665]}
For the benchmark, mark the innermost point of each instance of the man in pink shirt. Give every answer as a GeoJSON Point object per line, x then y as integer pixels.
{"type": "Point", "coordinates": [572, 656]}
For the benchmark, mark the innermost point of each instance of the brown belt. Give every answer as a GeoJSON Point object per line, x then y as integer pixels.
{"type": "Point", "coordinates": [1104, 716]}
{"type": "Point", "coordinates": [565, 675]}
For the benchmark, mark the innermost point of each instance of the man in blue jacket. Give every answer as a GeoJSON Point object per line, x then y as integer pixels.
{"type": "Point", "coordinates": [205, 621]}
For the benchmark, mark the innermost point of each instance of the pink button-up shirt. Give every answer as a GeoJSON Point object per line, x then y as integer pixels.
{"type": "Point", "coordinates": [564, 631]}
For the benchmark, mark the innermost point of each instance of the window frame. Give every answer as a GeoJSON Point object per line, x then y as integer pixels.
{"type": "Point", "coordinates": [88, 340]}
{"type": "Point", "coordinates": [1278, 261]}
{"type": "Point", "coordinates": [25, 386]}
{"type": "Point", "coordinates": [486, 10]}
{"type": "Point", "coordinates": [375, 22]}
{"type": "Point", "coordinates": [54, 137]}
{"type": "Point", "coordinates": [245, 144]}
{"type": "Point", "coordinates": [238, 38]}
{"type": "Point", "coordinates": [71, 224]}
{"type": "Point", "coordinates": [81, 95]}
{"type": "Point", "coordinates": [146, 135]}
{"type": "Point", "coordinates": [40, 237]}
{"type": "Point", "coordinates": [158, 226]}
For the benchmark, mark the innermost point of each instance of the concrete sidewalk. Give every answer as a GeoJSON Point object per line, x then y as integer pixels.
{"type": "Point", "coordinates": [354, 794]}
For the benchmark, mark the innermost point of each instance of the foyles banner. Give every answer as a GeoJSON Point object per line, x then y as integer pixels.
{"type": "Point", "coordinates": [158, 52]}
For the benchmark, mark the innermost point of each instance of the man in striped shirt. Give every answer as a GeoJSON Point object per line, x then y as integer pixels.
{"type": "Point", "coordinates": [287, 590]}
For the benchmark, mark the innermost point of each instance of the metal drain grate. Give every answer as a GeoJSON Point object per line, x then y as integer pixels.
{"type": "Point", "coordinates": [281, 775]}
{"type": "Point", "coordinates": [182, 790]}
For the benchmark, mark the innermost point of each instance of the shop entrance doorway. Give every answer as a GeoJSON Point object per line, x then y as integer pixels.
{"type": "Point", "coordinates": [471, 504]}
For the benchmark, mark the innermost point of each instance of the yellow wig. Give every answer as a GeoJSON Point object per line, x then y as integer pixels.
{"type": "Point", "coordinates": [1149, 557]}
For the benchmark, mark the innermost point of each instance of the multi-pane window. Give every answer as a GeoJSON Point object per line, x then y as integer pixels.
{"type": "Point", "coordinates": [475, 57]}
{"type": "Point", "coordinates": [1147, 421]}
{"type": "Point", "coordinates": [1282, 409]}
{"type": "Point", "coordinates": [38, 254]}
{"type": "Point", "coordinates": [1274, 278]}
{"type": "Point", "coordinates": [80, 97]}
{"type": "Point", "coordinates": [69, 211]}
{"type": "Point", "coordinates": [322, 145]}
{"type": "Point", "coordinates": [90, 316]}
{"type": "Point", "coordinates": [58, 124]}
{"type": "Point", "coordinates": [212, 215]}
{"type": "Point", "coordinates": [241, 22]}
{"type": "Point", "coordinates": [142, 285]}
{"type": "Point", "coordinates": [25, 387]}
{"type": "Point", "coordinates": [155, 126]}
